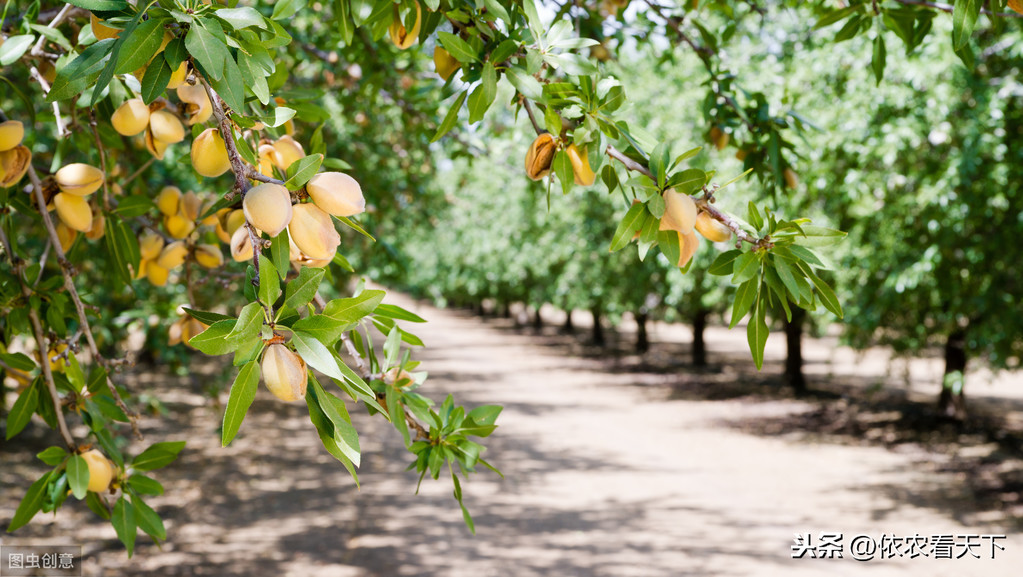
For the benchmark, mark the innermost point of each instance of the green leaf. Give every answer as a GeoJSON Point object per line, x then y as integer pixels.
{"type": "Point", "coordinates": [744, 297]}
{"type": "Point", "coordinates": [214, 341]}
{"type": "Point", "coordinates": [30, 503]}
{"type": "Point", "coordinates": [250, 321]}
{"type": "Point", "coordinates": [206, 317]}
{"type": "Point", "coordinates": [232, 86]}
{"type": "Point", "coordinates": [818, 236]}
{"type": "Point", "coordinates": [100, 5]}
{"type": "Point", "coordinates": [325, 430]}
{"type": "Point", "coordinates": [155, 80]}
{"type": "Point", "coordinates": [457, 47]}
{"type": "Point", "coordinates": [285, 9]}
{"type": "Point", "coordinates": [316, 354]}
{"type": "Point", "coordinates": [243, 392]}
{"type": "Point", "coordinates": [52, 456]}
{"type": "Point", "coordinates": [81, 72]}
{"type": "Point", "coordinates": [140, 46]}
{"type": "Point", "coordinates": [658, 163]}
{"type": "Point", "coordinates": [483, 96]}
{"type": "Point", "coordinates": [157, 456]}
{"type": "Point", "coordinates": [458, 497]}
{"type": "Point", "coordinates": [144, 485]}
{"type": "Point", "coordinates": [485, 414]}
{"type": "Point", "coordinates": [398, 313]}
{"type": "Point", "coordinates": [148, 520]}
{"type": "Point", "coordinates": [785, 274]}
{"type": "Point", "coordinates": [671, 245]}
{"type": "Point", "coordinates": [756, 332]}
{"type": "Point", "coordinates": [14, 47]}
{"type": "Point", "coordinates": [524, 83]}
{"type": "Point", "coordinates": [562, 166]}
{"type": "Point", "coordinates": [269, 282]}
{"type": "Point", "coordinates": [124, 524]}
{"type": "Point", "coordinates": [345, 435]}
{"type": "Point", "coordinates": [97, 505]}
{"type": "Point", "coordinates": [964, 19]}
{"type": "Point", "coordinates": [242, 17]}
{"type": "Point", "coordinates": [351, 310]}
{"type": "Point", "coordinates": [837, 16]}
{"type": "Point", "coordinates": [323, 328]}
{"type": "Point", "coordinates": [24, 407]}
{"type": "Point", "coordinates": [302, 170]}
{"type": "Point", "coordinates": [825, 292]}
{"type": "Point", "coordinates": [877, 61]}
{"type": "Point", "coordinates": [724, 264]}
{"type": "Point", "coordinates": [18, 361]}
{"type": "Point", "coordinates": [302, 290]}
{"type": "Point", "coordinates": [631, 223]}
{"type": "Point", "coordinates": [746, 267]}
{"type": "Point", "coordinates": [450, 118]}
{"type": "Point", "coordinates": [209, 51]}
{"type": "Point", "coordinates": [78, 476]}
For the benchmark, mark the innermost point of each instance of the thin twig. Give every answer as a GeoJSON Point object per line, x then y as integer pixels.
{"type": "Point", "coordinates": [529, 111]}
{"type": "Point", "coordinates": [628, 162]}
{"type": "Point", "coordinates": [61, 127]}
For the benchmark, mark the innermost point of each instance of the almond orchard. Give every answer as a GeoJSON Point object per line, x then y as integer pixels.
{"type": "Point", "coordinates": [225, 179]}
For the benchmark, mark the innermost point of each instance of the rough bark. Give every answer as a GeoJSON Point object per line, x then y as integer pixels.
{"type": "Point", "coordinates": [794, 358]}
{"type": "Point", "coordinates": [598, 330]}
{"type": "Point", "coordinates": [699, 343]}
{"type": "Point", "coordinates": [952, 404]}
{"type": "Point", "coordinates": [642, 338]}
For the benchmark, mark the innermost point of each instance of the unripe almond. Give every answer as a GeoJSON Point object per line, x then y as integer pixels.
{"type": "Point", "coordinates": [66, 236]}
{"type": "Point", "coordinates": [791, 178]}
{"type": "Point", "coordinates": [79, 179]}
{"type": "Point", "coordinates": [711, 229]}
{"type": "Point", "coordinates": [313, 232]}
{"type": "Point", "coordinates": [14, 164]}
{"type": "Point", "coordinates": [101, 472]}
{"type": "Point", "coordinates": [584, 175]}
{"type": "Point", "coordinates": [1016, 6]}
{"type": "Point", "coordinates": [268, 207]}
{"type": "Point", "coordinates": [177, 79]}
{"type": "Point", "coordinates": [540, 155]}
{"type": "Point", "coordinates": [284, 373]}
{"type": "Point", "coordinates": [241, 245]}
{"type": "Point", "coordinates": [102, 31]}
{"type": "Point", "coordinates": [209, 154]}
{"type": "Point", "coordinates": [131, 118]}
{"type": "Point", "coordinates": [688, 242]}
{"type": "Point", "coordinates": [286, 152]}
{"type": "Point", "coordinates": [401, 37]}
{"type": "Point", "coordinates": [74, 211]}
{"type": "Point", "coordinates": [679, 212]}
{"type": "Point", "coordinates": [156, 274]}
{"type": "Point", "coordinates": [96, 231]}
{"type": "Point", "coordinates": [198, 103]}
{"type": "Point", "coordinates": [190, 206]}
{"type": "Point", "coordinates": [209, 256]}
{"type": "Point", "coordinates": [166, 127]}
{"type": "Point", "coordinates": [189, 328]}
{"type": "Point", "coordinates": [168, 200]}
{"type": "Point", "coordinates": [212, 218]}
{"type": "Point", "coordinates": [173, 255]}
{"type": "Point", "coordinates": [178, 226]}
{"type": "Point", "coordinates": [444, 62]}
{"type": "Point", "coordinates": [266, 159]}
{"type": "Point", "coordinates": [228, 223]}
{"type": "Point", "coordinates": [141, 272]}
{"type": "Point", "coordinates": [155, 146]}
{"type": "Point", "coordinates": [12, 132]}
{"type": "Point", "coordinates": [150, 246]}
{"type": "Point", "coordinates": [719, 138]}
{"type": "Point", "coordinates": [336, 193]}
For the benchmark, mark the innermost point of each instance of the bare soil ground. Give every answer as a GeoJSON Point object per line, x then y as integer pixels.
{"type": "Point", "coordinates": [615, 465]}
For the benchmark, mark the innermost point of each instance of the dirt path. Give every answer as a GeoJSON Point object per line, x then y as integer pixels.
{"type": "Point", "coordinates": [604, 477]}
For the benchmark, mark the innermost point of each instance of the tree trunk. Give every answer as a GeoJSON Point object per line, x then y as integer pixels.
{"type": "Point", "coordinates": [537, 320]}
{"type": "Point", "coordinates": [505, 309]}
{"type": "Point", "coordinates": [699, 344]}
{"type": "Point", "coordinates": [794, 359]}
{"type": "Point", "coordinates": [951, 401]}
{"type": "Point", "coordinates": [568, 327]}
{"type": "Point", "coordinates": [642, 340]}
{"type": "Point", "coordinates": [598, 331]}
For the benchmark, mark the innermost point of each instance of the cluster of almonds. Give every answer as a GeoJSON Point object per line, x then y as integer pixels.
{"type": "Point", "coordinates": [160, 257]}
{"type": "Point", "coordinates": [14, 157]}
{"type": "Point", "coordinates": [76, 183]}
{"type": "Point", "coordinates": [682, 215]}
{"type": "Point", "coordinates": [313, 238]}
{"type": "Point", "coordinates": [541, 154]}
